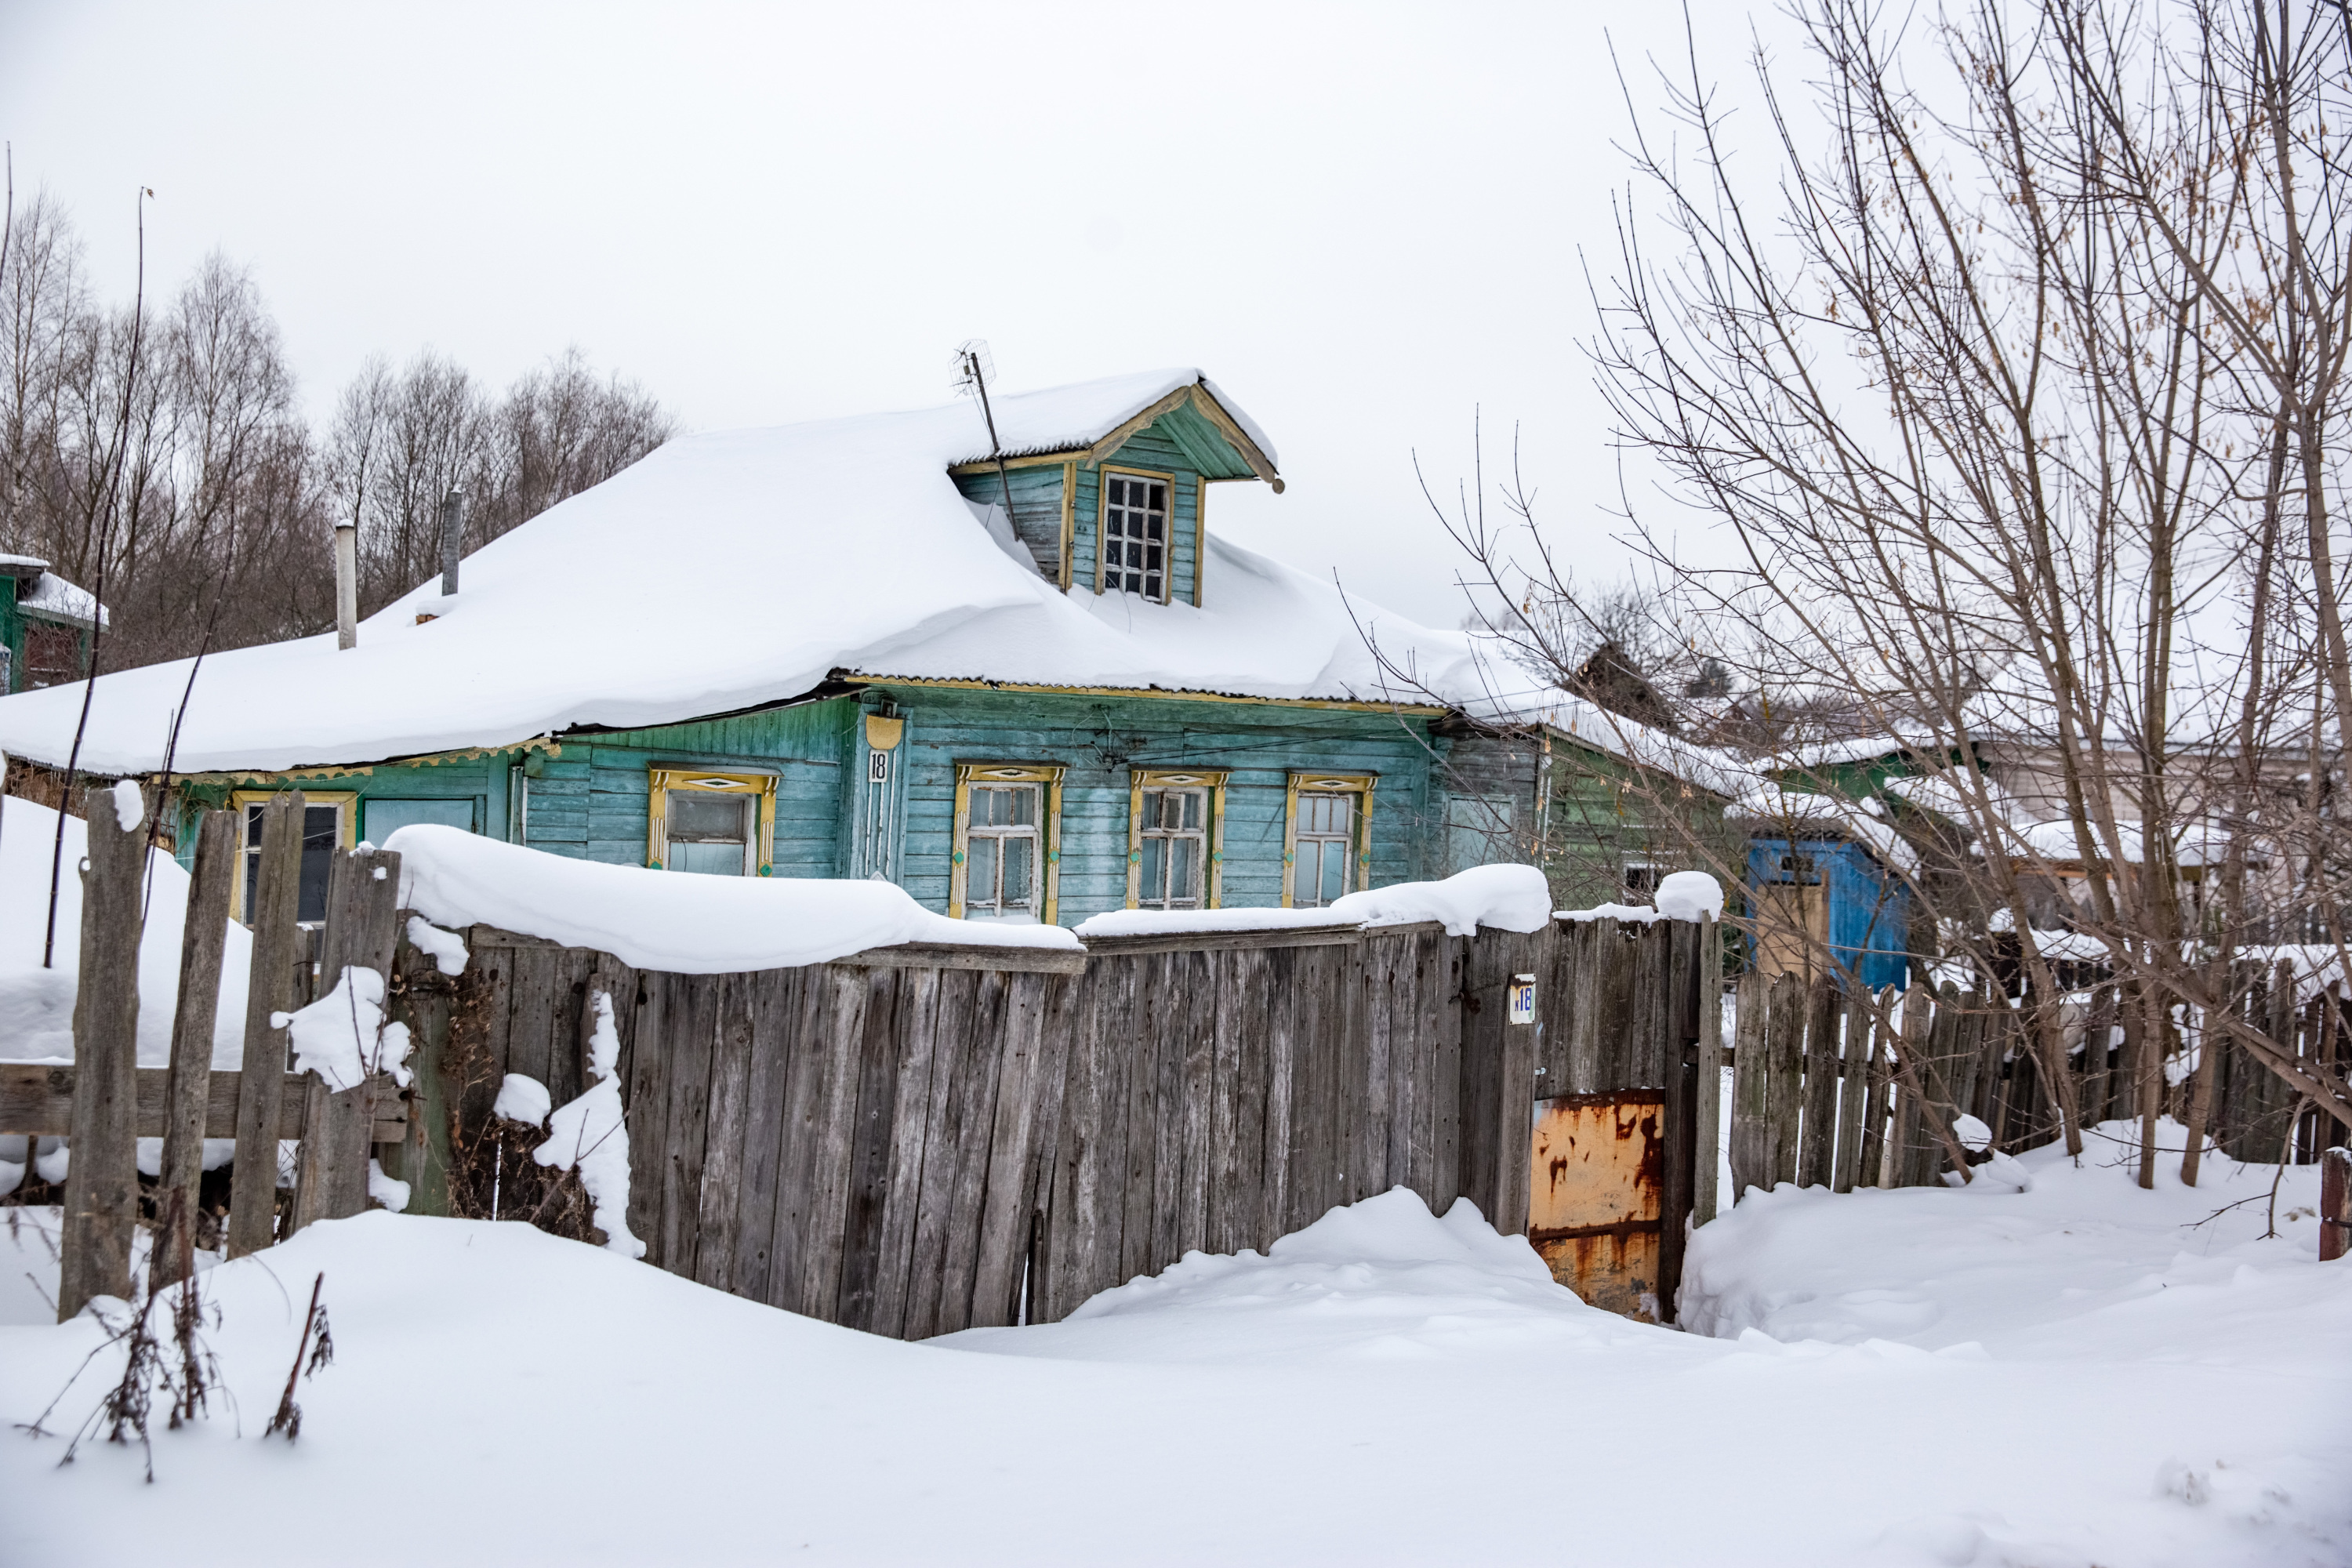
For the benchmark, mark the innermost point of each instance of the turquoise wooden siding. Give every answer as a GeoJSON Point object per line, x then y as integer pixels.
{"type": "Point", "coordinates": [1036, 508]}
{"type": "Point", "coordinates": [588, 797]}
{"type": "Point", "coordinates": [1099, 739]}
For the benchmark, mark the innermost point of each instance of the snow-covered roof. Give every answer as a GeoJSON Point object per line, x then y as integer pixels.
{"type": "Point", "coordinates": [52, 598]}
{"type": "Point", "coordinates": [733, 569]}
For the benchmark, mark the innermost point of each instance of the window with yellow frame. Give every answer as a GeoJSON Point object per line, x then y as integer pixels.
{"type": "Point", "coordinates": [710, 821]}
{"type": "Point", "coordinates": [1327, 838]}
{"type": "Point", "coordinates": [1007, 863]}
{"type": "Point", "coordinates": [1135, 551]}
{"type": "Point", "coordinates": [1175, 839]}
{"type": "Point", "coordinates": [329, 819]}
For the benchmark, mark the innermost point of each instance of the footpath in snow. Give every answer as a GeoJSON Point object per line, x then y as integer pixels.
{"type": "Point", "coordinates": [2069, 1375]}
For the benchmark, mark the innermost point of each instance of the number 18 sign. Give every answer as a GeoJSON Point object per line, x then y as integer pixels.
{"type": "Point", "coordinates": [1523, 999]}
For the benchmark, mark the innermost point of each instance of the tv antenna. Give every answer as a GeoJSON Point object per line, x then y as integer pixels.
{"type": "Point", "coordinates": [974, 370]}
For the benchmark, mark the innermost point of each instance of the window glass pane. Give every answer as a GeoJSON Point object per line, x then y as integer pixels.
{"type": "Point", "coordinates": [318, 860]}
{"type": "Point", "coordinates": [1183, 870]}
{"type": "Point", "coordinates": [319, 826]}
{"type": "Point", "coordinates": [1304, 877]}
{"type": "Point", "coordinates": [1023, 803]}
{"type": "Point", "coordinates": [252, 876]}
{"type": "Point", "coordinates": [1335, 870]}
{"type": "Point", "coordinates": [696, 814]}
{"type": "Point", "coordinates": [1020, 858]}
{"type": "Point", "coordinates": [979, 873]}
{"type": "Point", "coordinates": [253, 825]}
{"type": "Point", "coordinates": [1158, 497]}
{"type": "Point", "coordinates": [1196, 807]}
{"type": "Point", "coordinates": [708, 857]}
{"type": "Point", "coordinates": [1154, 881]}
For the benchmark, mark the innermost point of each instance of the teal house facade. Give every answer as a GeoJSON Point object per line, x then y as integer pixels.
{"type": "Point", "coordinates": [839, 653]}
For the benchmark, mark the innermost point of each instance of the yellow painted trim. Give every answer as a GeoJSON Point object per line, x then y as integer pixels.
{"type": "Point", "coordinates": [1357, 785]}
{"type": "Point", "coordinates": [1200, 535]}
{"type": "Point", "coordinates": [1214, 840]}
{"type": "Point", "coordinates": [1102, 505]}
{"type": "Point", "coordinates": [342, 800]}
{"type": "Point", "coordinates": [884, 735]}
{"type": "Point", "coordinates": [1069, 520]}
{"type": "Point", "coordinates": [1033, 460]}
{"type": "Point", "coordinates": [1418, 710]}
{"type": "Point", "coordinates": [1228, 427]}
{"type": "Point", "coordinates": [1046, 774]}
{"type": "Point", "coordinates": [1102, 449]}
{"type": "Point", "coordinates": [660, 781]}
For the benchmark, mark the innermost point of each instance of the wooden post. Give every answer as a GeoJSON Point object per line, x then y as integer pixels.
{"type": "Point", "coordinates": [1708, 1122]}
{"type": "Point", "coordinates": [1905, 1156]}
{"type": "Point", "coordinates": [1854, 1085]}
{"type": "Point", "coordinates": [277, 938]}
{"type": "Point", "coordinates": [1751, 1127]}
{"type": "Point", "coordinates": [102, 1212]}
{"type": "Point", "coordinates": [1872, 1172]}
{"type": "Point", "coordinates": [331, 1171]}
{"type": "Point", "coordinates": [1816, 1139]}
{"type": "Point", "coordinates": [2334, 1204]}
{"type": "Point", "coordinates": [426, 1003]}
{"type": "Point", "coordinates": [1784, 1040]}
{"type": "Point", "coordinates": [200, 942]}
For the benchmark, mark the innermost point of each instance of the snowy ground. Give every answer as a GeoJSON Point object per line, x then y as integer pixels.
{"type": "Point", "coordinates": [2064, 1376]}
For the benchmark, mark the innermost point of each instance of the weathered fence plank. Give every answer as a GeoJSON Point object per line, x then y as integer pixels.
{"type": "Point", "coordinates": [362, 931]}
{"type": "Point", "coordinates": [1853, 1087]}
{"type": "Point", "coordinates": [101, 1195]}
{"type": "Point", "coordinates": [269, 991]}
{"type": "Point", "coordinates": [197, 1009]}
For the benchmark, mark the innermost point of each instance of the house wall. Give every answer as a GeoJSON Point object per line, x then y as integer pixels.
{"type": "Point", "coordinates": [587, 796]}
{"type": "Point", "coordinates": [1598, 817]}
{"type": "Point", "coordinates": [1869, 912]}
{"type": "Point", "coordinates": [1100, 739]}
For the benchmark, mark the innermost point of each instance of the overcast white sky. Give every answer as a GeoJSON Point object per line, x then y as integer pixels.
{"type": "Point", "coordinates": [1363, 221]}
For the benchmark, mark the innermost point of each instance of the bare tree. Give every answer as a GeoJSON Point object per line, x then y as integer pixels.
{"type": "Point", "coordinates": [2019, 396]}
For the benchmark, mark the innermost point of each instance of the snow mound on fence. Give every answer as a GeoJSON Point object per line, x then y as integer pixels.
{"type": "Point", "coordinates": [664, 920]}
{"type": "Point", "coordinates": [36, 1003]}
{"type": "Point", "coordinates": [1500, 897]}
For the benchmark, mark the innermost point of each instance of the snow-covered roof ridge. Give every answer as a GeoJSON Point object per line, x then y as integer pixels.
{"type": "Point", "coordinates": [1584, 720]}
{"type": "Point", "coordinates": [731, 571]}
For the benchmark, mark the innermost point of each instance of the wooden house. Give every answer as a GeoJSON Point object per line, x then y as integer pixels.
{"type": "Point", "coordinates": [44, 625]}
{"type": "Point", "coordinates": [827, 650]}
{"type": "Point", "coordinates": [1604, 806]}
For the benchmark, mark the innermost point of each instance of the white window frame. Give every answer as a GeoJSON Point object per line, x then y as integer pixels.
{"type": "Point", "coordinates": [1114, 578]}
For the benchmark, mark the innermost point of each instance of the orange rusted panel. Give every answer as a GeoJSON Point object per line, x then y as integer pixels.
{"type": "Point", "coordinates": [1596, 1192]}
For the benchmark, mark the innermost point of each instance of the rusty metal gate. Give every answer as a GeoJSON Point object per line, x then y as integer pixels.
{"type": "Point", "coordinates": [1596, 1200]}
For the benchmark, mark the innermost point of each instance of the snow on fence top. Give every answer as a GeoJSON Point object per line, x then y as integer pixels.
{"type": "Point", "coordinates": [1681, 896]}
{"type": "Point", "coordinates": [1501, 898]}
{"type": "Point", "coordinates": [661, 920]}
{"type": "Point", "coordinates": [531, 646]}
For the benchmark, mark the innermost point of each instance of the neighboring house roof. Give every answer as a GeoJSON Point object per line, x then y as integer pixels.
{"type": "Point", "coordinates": [1771, 811]}
{"type": "Point", "coordinates": [732, 570]}
{"type": "Point", "coordinates": [44, 595]}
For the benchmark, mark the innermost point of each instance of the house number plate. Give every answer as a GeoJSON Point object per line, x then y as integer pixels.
{"type": "Point", "coordinates": [1523, 998]}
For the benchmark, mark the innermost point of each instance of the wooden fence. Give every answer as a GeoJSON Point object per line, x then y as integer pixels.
{"type": "Point", "coordinates": [916, 1141]}
{"type": "Point", "coordinates": [1816, 1098]}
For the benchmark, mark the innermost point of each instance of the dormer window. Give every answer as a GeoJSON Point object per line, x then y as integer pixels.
{"type": "Point", "coordinates": [1135, 535]}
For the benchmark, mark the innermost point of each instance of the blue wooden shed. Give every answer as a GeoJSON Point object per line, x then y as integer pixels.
{"type": "Point", "coordinates": [1834, 892]}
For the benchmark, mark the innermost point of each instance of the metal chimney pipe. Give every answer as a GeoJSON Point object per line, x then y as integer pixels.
{"type": "Point", "coordinates": [453, 540]}
{"type": "Point", "coordinates": [347, 584]}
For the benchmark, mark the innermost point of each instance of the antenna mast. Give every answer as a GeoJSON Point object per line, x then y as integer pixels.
{"type": "Point", "coordinates": [973, 367]}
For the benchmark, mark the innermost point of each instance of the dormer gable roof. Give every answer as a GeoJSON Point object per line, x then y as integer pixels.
{"type": "Point", "coordinates": [1090, 421]}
